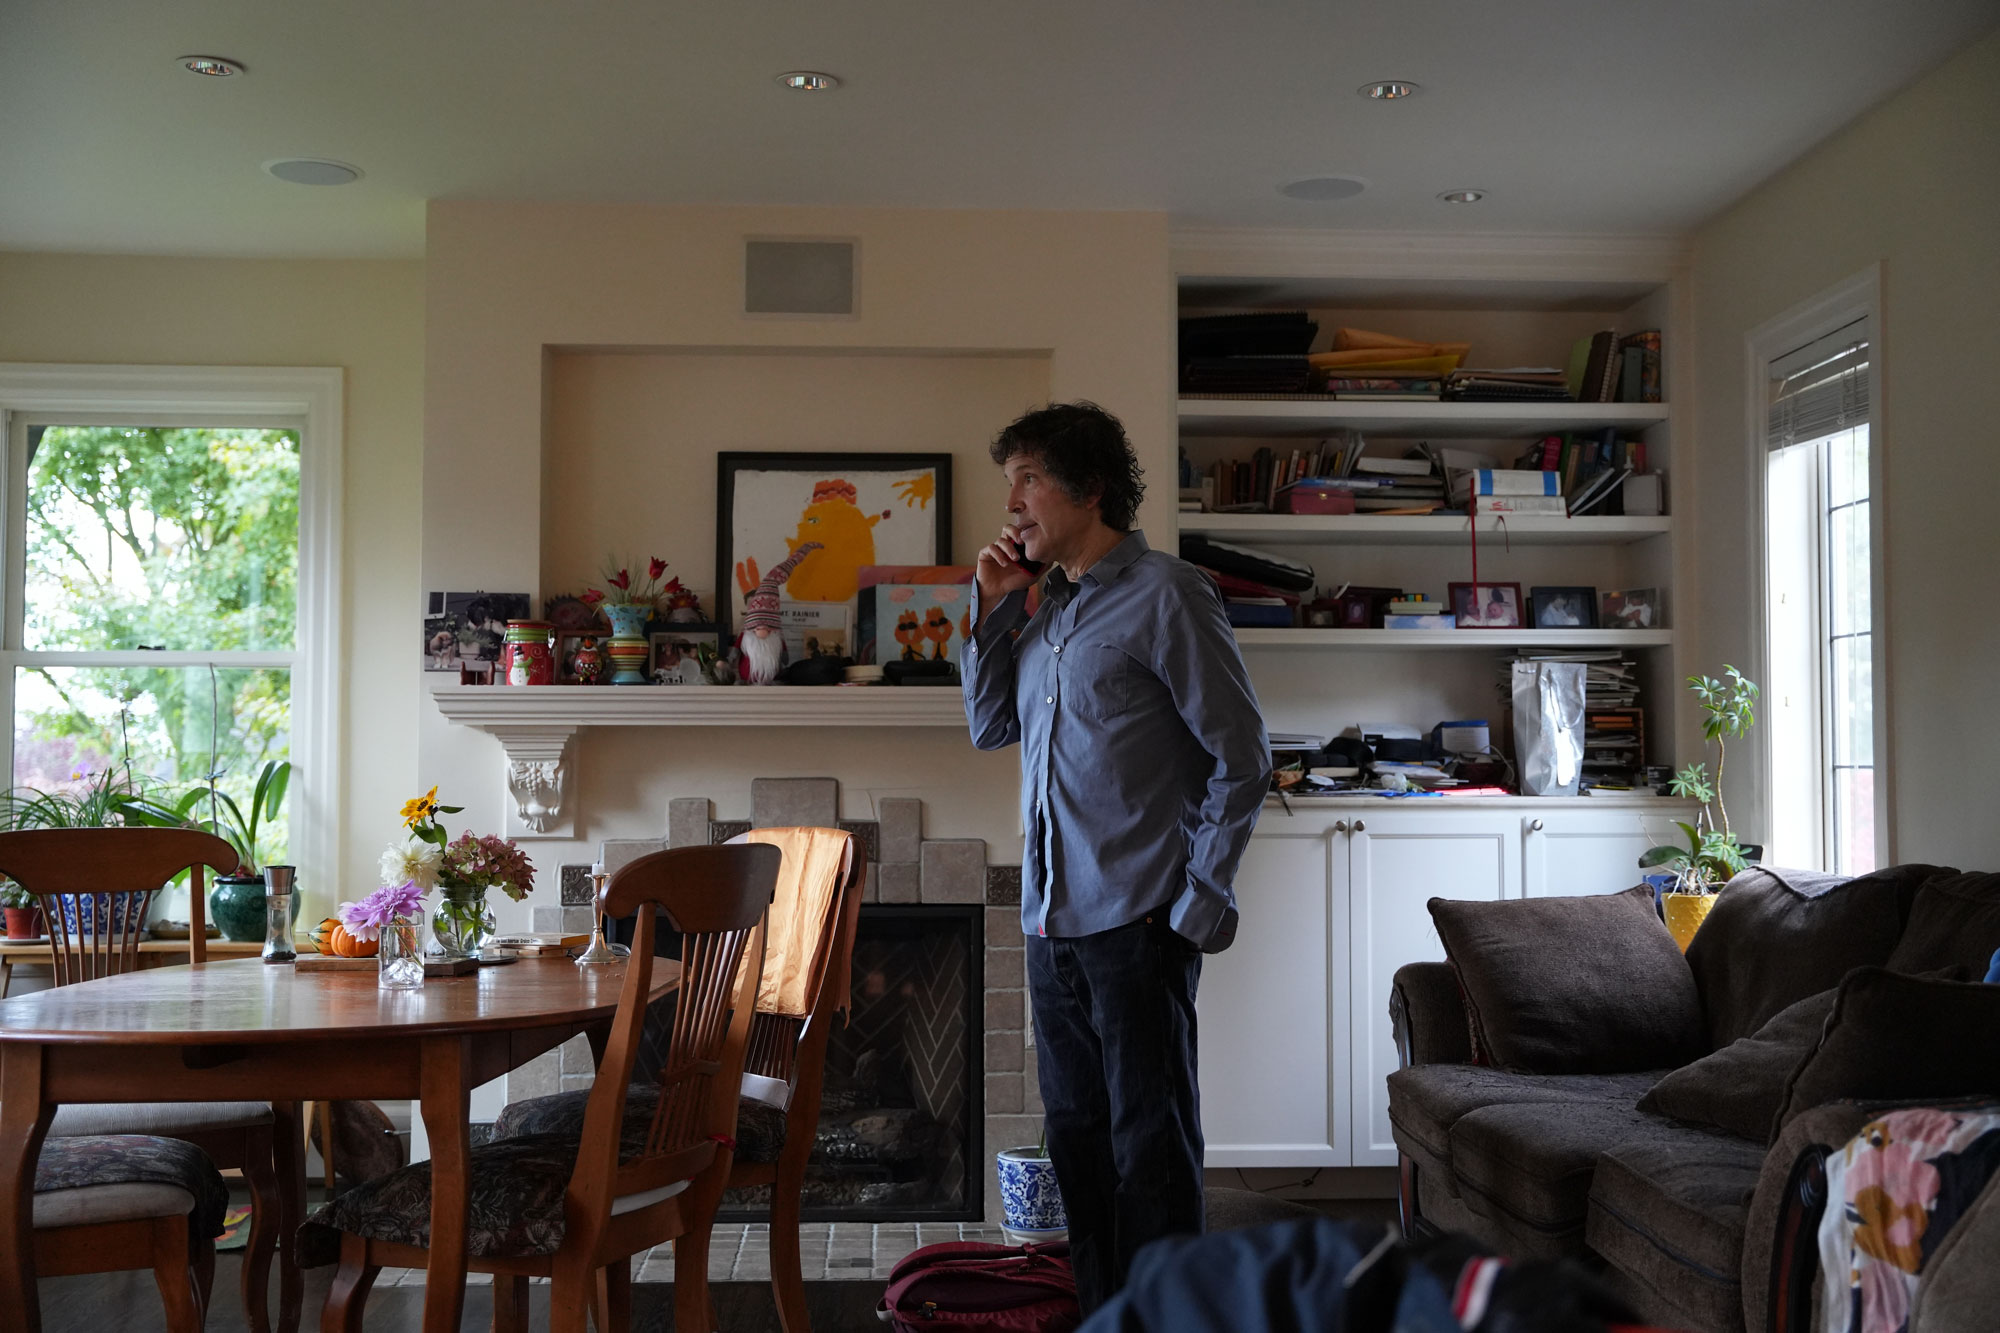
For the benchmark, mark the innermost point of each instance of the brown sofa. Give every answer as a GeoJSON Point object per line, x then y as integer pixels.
{"type": "Point", "coordinates": [1663, 1118]}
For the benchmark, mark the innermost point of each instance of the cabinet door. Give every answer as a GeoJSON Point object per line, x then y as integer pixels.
{"type": "Point", "coordinates": [1397, 862]}
{"type": "Point", "coordinates": [1266, 1013]}
{"type": "Point", "coordinates": [1567, 853]}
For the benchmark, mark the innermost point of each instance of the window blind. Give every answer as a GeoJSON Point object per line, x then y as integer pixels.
{"type": "Point", "coordinates": [1819, 389]}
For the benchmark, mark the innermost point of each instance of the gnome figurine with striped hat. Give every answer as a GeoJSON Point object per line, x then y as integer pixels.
{"type": "Point", "coordinates": [761, 647]}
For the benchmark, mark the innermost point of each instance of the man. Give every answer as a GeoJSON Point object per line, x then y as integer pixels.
{"type": "Point", "coordinates": [1143, 766]}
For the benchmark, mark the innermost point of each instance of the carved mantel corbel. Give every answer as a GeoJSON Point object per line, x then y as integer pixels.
{"type": "Point", "coordinates": [537, 778]}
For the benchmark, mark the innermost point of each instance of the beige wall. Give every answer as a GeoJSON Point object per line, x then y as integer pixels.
{"type": "Point", "coordinates": [365, 317]}
{"type": "Point", "coordinates": [585, 364]}
{"type": "Point", "coordinates": [1910, 186]}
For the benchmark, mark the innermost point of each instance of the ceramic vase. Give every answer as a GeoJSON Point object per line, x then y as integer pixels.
{"type": "Point", "coordinates": [399, 958]}
{"type": "Point", "coordinates": [236, 906]}
{"type": "Point", "coordinates": [628, 661]}
{"type": "Point", "coordinates": [628, 621]}
{"type": "Point", "coordinates": [1029, 1198]}
{"type": "Point", "coordinates": [462, 923]}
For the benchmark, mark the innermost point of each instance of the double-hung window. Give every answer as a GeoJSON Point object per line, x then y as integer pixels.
{"type": "Point", "coordinates": [168, 586]}
{"type": "Point", "coordinates": [1820, 696]}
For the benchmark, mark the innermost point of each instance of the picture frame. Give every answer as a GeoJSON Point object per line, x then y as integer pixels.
{"type": "Point", "coordinates": [567, 642]}
{"type": "Point", "coordinates": [865, 509]}
{"type": "Point", "coordinates": [682, 654]}
{"type": "Point", "coordinates": [1563, 607]}
{"type": "Point", "coordinates": [467, 630]}
{"type": "Point", "coordinates": [1486, 605]}
{"type": "Point", "coordinates": [1631, 608]}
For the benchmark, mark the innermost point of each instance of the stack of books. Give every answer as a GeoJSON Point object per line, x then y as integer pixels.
{"type": "Point", "coordinates": [1251, 355]}
{"type": "Point", "coordinates": [1260, 589]}
{"type": "Point", "coordinates": [1416, 611]}
{"type": "Point", "coordinates": [1605, 368]}
{"type": "Point", "coordinates": [1364, 365]}
{"type": "Point", "coordinates": [1528, 384]}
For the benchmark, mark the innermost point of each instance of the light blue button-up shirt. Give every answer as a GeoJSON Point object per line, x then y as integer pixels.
{"type": "Point", "coordinates": [1143, 756]}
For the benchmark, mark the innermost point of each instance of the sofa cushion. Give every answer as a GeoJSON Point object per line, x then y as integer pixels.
{"type": "Point", "coordinates": [1669, 1212]}
{"type": "Point", "coordinates": [1573, 985]}
{"type": "Point", "coordinates": [1740, 1087]}
{"type": "Point", "coordinates": [1961, 1286]}
{"type": "Point", "coordinates": [1898, 1037]}
{"type": "Point", "coordinates": [1528, 1167]}
{"type": "Point", "coordinates": [1775, 937]}
{"type": "Point", "coordinates": [1425, 1101]}
{"type": "Point", "coordinates": [1954, 920]}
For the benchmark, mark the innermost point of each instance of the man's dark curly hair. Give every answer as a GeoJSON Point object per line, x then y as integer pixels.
{"type": "Point", "coordinates": [1084, 449]}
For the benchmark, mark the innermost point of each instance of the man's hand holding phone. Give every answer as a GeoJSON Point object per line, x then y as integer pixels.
{"type": "Point", "coordinates": [1004, 568]}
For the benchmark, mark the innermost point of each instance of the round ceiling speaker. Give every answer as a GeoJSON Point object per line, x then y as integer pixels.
{"type": "Point", "coordinates": [313, 171]}
{"type": "Point", "coordinates": [1321, 189]}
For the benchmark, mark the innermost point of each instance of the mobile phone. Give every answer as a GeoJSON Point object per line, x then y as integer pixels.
{"type": "Point", "coordinates": [1021, 559]}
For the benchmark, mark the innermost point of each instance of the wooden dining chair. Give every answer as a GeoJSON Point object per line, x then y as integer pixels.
{"type": "Point", "coordinates": [784, 1067]}
{"type": "Point", "coordinates": [96, 886]}
{"type": "Point", "coordinates": [575, 1208]}
{"type": "Point", "coordinates": [107, 1204]}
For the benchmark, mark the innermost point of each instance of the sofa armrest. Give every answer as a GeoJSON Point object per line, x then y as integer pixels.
{"type": "Point", "coordinates": [1781, 1233]}
{"type": "Point", "coordinates": [1427, 1014]}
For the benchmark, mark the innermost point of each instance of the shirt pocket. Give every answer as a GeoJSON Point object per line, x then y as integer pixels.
{"type": "Point", "coordinates": [1099, 681]}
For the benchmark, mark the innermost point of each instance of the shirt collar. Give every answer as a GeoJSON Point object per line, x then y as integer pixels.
{"type": "Point", "coordinates": [1108, 569]}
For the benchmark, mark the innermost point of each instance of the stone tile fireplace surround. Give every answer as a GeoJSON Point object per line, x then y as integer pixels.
{"type": "Point", "coordinates": [903, 867]}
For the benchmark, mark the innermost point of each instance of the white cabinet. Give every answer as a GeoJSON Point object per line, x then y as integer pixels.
{"type": "Point", "coordinates": [1271, 1017]}
{"type": "Point", "coordinates": [1295, 1042]}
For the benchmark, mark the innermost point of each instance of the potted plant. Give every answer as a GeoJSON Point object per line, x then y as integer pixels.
{"type": "Point", "coordinates": [1711, 855]}
{"type": "Point", "coordinates": [1029, 1197]}
{"type": "Point", "coordinates": [101, 801]}
{"type": "Point", "coordinates": [236, 903]}
{"type": "Point", "coordinates": [22, 911]}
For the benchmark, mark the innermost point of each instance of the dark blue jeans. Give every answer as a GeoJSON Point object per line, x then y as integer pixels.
{"type": "Point", "coordinates": [1114, 1037]}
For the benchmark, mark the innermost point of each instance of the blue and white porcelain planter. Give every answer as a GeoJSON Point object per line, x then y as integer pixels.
{"type": "Point", "coordinates": [1029, 1197]}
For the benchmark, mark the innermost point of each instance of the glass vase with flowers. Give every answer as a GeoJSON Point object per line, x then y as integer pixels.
{"type": "Point", "coordinates": [391, 916]}
{"type": "Point", "coordinates": [463, 870]}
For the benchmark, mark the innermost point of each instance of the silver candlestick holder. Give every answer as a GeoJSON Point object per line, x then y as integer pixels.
{"type": "Point", "coordinates": [599, 950]}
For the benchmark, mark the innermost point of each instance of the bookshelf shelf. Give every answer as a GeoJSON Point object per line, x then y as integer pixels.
{"type": "Point", "coordinates": [1453, 640]}
{"type": "Point", "coordinates": [1421, 530]}
{"type": "Point", "coordinates": [1247, 416]}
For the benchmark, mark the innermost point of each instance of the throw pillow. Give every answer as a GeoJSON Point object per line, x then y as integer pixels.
{"type": "Point", "coordinates": [1572, 985]}
{"type": "Point", "coordinates": [1740, 1087]}
{"type": "Point", "coordinates": [1954, 920]}
{"type": "Point", "coordinates": [1901, 1038]}
{"type": "Point", "coordinates": [1776, 936]}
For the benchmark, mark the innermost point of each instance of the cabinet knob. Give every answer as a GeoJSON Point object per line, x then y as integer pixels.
{"type": "Point", "coordinates": [1340, 826]}
{"type": "Point", "coordinates": [1360, 827]}
{"type": "Point", "coordinates": [1534, 826]}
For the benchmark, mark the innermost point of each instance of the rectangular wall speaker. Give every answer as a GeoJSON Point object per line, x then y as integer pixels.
{"type": "Point", "coordinates": [798, 277]}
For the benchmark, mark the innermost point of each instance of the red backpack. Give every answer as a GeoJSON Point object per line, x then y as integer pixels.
{"type": "Point", "coordinates": [990, 1288]}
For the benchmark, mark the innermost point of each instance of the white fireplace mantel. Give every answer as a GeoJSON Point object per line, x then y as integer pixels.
{"type": "Point", "coordinates": [534, 725]}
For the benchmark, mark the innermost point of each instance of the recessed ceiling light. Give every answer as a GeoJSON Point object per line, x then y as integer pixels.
{"type": "Point", "coordinates": [1462, 196]}
{"type": "Point", "coordinates": [1389, 90]}
{"type": "Point", "coordinates": [313, 171]}
{"type": "Point", "coordinates": [215, 67]}
{"type": "Point", "coordinates": [809, 81]}
{"type": "Point", "coordinates": [1321, 189]}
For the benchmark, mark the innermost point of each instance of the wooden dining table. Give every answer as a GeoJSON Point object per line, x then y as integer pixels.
{"type": "Point", "coordinates": [243, 1030]}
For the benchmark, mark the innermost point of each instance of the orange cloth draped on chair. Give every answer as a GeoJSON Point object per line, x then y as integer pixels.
{"type": "Point", "coordinates": [801, 916]}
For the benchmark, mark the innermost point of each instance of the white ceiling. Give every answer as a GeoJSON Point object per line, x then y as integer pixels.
{"type": "Point", "coordinates": [1608, 116]}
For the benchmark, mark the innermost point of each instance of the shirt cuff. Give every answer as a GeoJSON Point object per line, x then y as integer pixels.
{"type": "Point", "coordinates": [988, 629]}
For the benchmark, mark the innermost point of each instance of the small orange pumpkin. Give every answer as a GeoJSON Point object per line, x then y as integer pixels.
{"type": "Point", "coordinates": [331, 937]}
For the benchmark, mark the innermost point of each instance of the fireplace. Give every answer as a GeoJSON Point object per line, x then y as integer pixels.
{"type": "Point", "coordinates": [900, 1115]}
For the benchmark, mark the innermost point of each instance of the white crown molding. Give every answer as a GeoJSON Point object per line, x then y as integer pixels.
{"type": "Point", "coordinates": [1248, 252]}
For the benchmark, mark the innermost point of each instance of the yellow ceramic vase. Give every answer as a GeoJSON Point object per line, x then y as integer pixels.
{"type": "Point", "coordinates": [1685, 912]}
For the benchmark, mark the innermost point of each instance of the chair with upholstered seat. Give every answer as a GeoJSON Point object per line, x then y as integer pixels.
{"type": "Point", "coordinates": [104, 1204]}
{"type": "Point", "coordinates": [786, 1062]}
{"type": "Point", "coordinates": [96, 886]}
{"type": "Point", "coordinates": [575, 1208]}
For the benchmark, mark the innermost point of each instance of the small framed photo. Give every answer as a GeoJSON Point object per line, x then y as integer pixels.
{"type": "Point", "coordinates": [466, 630]}
{"type": "Point", "coordinates": [1564, 608]}
{"type": "Point", "coordinates": [682, 655]}
{"type": "Point", "coordinates": [580, 657]}
{"type": "Point", "coordinates": [1632, 608]}
{"type": "Point", "coordinates": [1486, 605]}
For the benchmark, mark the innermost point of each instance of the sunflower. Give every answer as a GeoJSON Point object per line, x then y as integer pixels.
{"type": "Point", "coordinates": [420, 809]}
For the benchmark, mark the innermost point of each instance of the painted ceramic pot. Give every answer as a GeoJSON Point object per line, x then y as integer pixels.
{"type": "Point", "coordinates": [628, 661]}
{"type": "Point", "coordinates": [1028, 1192]}
{"type": "Point", "coordinates": [236, 906]}
{"type": "Point", "coordinates": [1684, 913]}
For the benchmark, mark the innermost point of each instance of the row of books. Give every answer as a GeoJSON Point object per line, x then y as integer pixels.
{"type": "Point", "coordinates": [1607, 368]}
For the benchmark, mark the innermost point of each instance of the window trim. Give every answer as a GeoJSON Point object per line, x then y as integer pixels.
{"type": "Point", "coordinates": [1856, 297]}
{"type": "Point", "coordinates": [313, 398]}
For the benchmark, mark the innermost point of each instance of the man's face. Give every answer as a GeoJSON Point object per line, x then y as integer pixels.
{"type": "Point", "coordinates": [1053, 527]}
